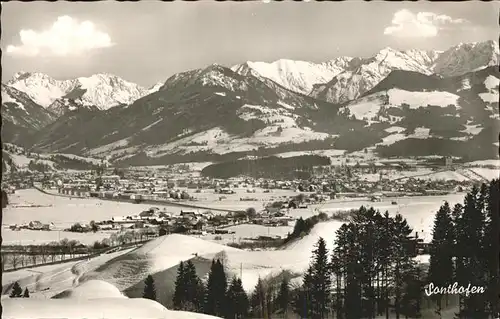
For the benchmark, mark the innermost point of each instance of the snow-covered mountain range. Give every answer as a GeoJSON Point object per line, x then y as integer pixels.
{"type": "Point", "coordinates": [393, 103]}
{"type": "Point", "coordinates": [347, 78]}
{"type": "Point", "coordinates": [100, 91]}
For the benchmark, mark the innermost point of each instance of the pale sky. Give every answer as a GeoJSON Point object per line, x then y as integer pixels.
{"type": "Point", "coordinates": [148, 41]}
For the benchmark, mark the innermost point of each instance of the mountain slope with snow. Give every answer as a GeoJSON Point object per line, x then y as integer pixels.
{"type": "Point", "coordinates": [363, 75]}
{"type": "Point", "coordinates": [101, 91]}
{"type": "Point", "coordinates": [21, 116]}
{"type": "Point", "coordinates": [366, 73]}
{"type": "Point", "coordinates": [297, 76]}
{"type": "Point", "coordinates": [205, 111]}
{"type": "Point", "coordinates": [467, 57]}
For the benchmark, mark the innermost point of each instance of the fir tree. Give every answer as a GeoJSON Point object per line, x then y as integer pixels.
{"type": "Point", "coordinates": [193, 287]}
{"type": "Point", "coordinates": [441, 263]}
{"type": "Point", "coordinates": [283, 297]}
{"type": "Point", "coordinates": [259, 300]}
{"type": "Point", "coordinates": [471, 242]}
{"type": "Point", "coordinates": [403, 263]}
{"type": "Point", "coordinates": [216, 290]}
{"type": "Point", "coordinates": [492, 247]}
{"type": "Point", "coordinates": [16, 291]}
{"type": "Point", "coordinates": [180, 290]}
{"type": "Point", "coordinates": [322, 280]}
{"type": "Point", "coordinates": [149, 288]}
{"type": "Point", "coordinates": [237, 300]}
{"type": "Point", "coordinates": [26, 293]}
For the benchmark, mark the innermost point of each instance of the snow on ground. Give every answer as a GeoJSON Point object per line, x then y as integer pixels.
{"type": "Point", "coordinates": [221, 93]}
{"type": "Point", "coordinates": [492, 162]}
{"type": "Point", "coordinates": [369, 107]}
{"type": "Point", "coordinates": [166, 252]}
{"type": "Point", "coordinates": [391, 139]}
{"type": "Point", "coordinates": [329, 153]}
{"type": "Point", "coordinates": [395, 129]}
{"type": "Point", "coordinates": [473, 129]}
{"type": "Point", "coordinates": [487, 173]}
{"type": "Point", "coordinates": [421, 99]}
{"type": "Point", "coordinates": [91, 289]}
{"type": "Point", "coordinates": [19, 160]}
{"type": "Point", "coordinates": [491, 82]}
{"type": "Point", "coordinates": [65, 211]}
{"type": "Point", "coordinates": [47, 281]}
{"type": "Point", "coordinates": [421, 132]}
{"type": "Point", "coordinates": [489, 97]}
{"type": "Point", "coordinates": [32, 237]}
{"type": "Point", "coordinates": [6, 98]}
{"type": "Point", "coordinates": [151, 125]}
{"type": "Point", "coordinates": [112, 308]}
{"type": "Point", "coordinates": [105, 149]}
{"type": "Point", "coordinates": [218, 141]}
{"type": "Point", "coordinates": [95, 161]}
{"type": "Point", "coordinates": [252, 231]}
{"type": "Point", "coordinates": [286, 106]}
{"type": "Point", "coordinates": [298, 76]}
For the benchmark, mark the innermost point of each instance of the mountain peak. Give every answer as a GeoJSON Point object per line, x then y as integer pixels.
{"type": "Point", "coordinates": [103, 90]}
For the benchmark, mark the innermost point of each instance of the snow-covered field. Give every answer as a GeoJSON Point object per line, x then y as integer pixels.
{"type": "Point", "coordinates": [493, 162]}
{"type": "Point", "coordinates": [328, 153]}
{"type": "Point", "coordinates": [421, 99]}
{"type": "Point", "coordinates": [65, 211]}
{"type": "Point", "coordinates": [369, 107]}
{"type": "Point", "coordinates": [34, 237]}
{"type": "Point", "coordinates": [208, 198]}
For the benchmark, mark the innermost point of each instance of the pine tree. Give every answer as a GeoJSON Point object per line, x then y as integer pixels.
{"type": "Point", "coordinates": [441, 255]}
{"type": "Point", "coordinates": [322, 280]}
{"type": "Point", "coordinates": [26, 293]}
{"type": "Point", "coordinates": [492, 246]}
{"type": "Point", "coordinates": [16, 291]}
{"type": "Point", "coordinates": [283, 297]}
{"type": "Point", "coordinates": [403, 263]}
{"type": "Point", "coordinates": [193, 287]}
{"type": "Point", "coordinates": [149, 288]}
{"type": "Point", "coordinates": [216, 290]}
{"type": "Point", "coordinates": [180, 290]}
{"type": "Point", "coordinates": [237, 300]}
{"type": "Point", "coordinates": [474, 223]}
{"type": "Point", "coordinates": [259, 300]}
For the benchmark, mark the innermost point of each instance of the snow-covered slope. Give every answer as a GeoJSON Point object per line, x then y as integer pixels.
{"type": "Point", "coordinates": [298, 76]}
{"type": "Point", "coordinates": [102, 90]}
{"type": "Point", "coordinates": [467, 57]}
{"type": "Point", "coordinates": [112, 308]}
{"type": "Point", "coordinates": [366, 73]}
{"type": "Point", "coordinates": [21, 115]}
{"type": "Point", "coordinates": [363, 74]}
{"type": "Point", "coordinates": [91, 289]}
{"type": "Point", "coordinates": [213, 110]}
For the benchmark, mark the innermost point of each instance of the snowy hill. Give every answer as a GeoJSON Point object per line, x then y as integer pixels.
{"type": "Point", "coordinates": [101, 91]}
{"type": "Point", "coordinates": [21, 115]}
{"type": "Point", "coordinates": [18, 158]}
{"type": "Point", "coordinates": [297, 76]}
{"type": "Point", "coordinates": [112, 308]}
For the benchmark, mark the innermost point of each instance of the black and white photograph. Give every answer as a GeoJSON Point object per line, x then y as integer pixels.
{"type": "Point", "coordinates": [250, 159]}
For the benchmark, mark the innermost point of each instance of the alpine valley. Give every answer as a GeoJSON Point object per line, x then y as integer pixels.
{"type": "Point", "coordinates": [394, 104]}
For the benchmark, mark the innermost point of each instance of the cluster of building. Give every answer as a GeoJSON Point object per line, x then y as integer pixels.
{"type": "Point", "coordinates": [33, 225]}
